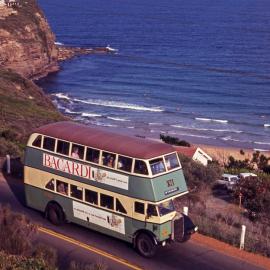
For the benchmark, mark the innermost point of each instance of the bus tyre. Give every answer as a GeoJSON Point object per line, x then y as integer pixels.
{"type": "Point", "coordinates": [145, 245]}
{"type": "Point", "coordinates": [55, 214]}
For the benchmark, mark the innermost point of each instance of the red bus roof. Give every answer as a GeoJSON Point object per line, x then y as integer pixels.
{"type": "Point", "coordinates": [106, 140]}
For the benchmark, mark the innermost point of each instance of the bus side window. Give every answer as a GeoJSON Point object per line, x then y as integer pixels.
{"type": "Point", "coordinates": [76, 192]}
{"type": "Point", "coordinates": [63, 147]}
{"type": "Point", "coordinates": [124, 163]}
{"type": "Point", "coordinates": [37, 141]}
{"type": "Point", "coordinates": [92, 155]}
{"type": "Point", "coordinates": [108, 159]}
{"type": "Point", "coordinates": [140, 167]}
{"type": "Point", "coordinates": [50, 184]}
{"type": "Point", "coordinates": [120, 207]}
{"type": "Point", "coordinates": [139, 208]}
{"type": "Point", "coordinates": [77, 151]}
{"type": "Point", "coordinates": [106, 201]}
{"type": "Point", "coordinates": [49, 143]}
{"type": "Point", "coordinates": [91, 196]}
{"type": "Point", "coordinates": [62, 187]}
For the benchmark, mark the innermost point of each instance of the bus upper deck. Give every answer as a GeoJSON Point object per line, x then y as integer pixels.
{"type": "Point", "coordinates": [131, 166]}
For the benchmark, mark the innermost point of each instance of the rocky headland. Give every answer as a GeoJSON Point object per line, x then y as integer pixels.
{"type": "Point", "coordinates": [28, 51]}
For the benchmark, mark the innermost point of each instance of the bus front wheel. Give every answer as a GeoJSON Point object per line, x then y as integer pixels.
{"type": "Point", "coordinates": [55, 214]}
{"type": "Point", "coordinates": [145, 245]}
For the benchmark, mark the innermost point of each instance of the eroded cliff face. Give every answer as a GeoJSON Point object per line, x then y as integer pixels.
{"type": "Point", "coordinates": [26, 41]}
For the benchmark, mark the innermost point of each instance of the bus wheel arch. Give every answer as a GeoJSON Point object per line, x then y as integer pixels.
{"type": "Point", "coordinates": [55, 213]}
{"type": "Point", "coordinates": [145, 243]}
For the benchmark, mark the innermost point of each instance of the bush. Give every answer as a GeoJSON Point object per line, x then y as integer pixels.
{"type": "Point", "coordinates": [174, 141]}
{"type": "Point", "coordinates": [255, 193]}
{"type": "Point", "coordinates": [198, 175]}
{"type": "Point", "coordinates": [20, 232]}
{"type": "Point", "coordinates": [45, 253]}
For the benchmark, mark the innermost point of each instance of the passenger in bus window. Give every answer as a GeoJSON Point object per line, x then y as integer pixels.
{"type": "Point", "coordinates": [61, 188]}
{"type": "Point", "coordinates": [111, 162]}
{"type": "Point", "coordinates": [75, 152]}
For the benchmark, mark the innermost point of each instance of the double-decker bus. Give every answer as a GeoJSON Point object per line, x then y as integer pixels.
{"type": "Point", "coordinates": [118, 185]}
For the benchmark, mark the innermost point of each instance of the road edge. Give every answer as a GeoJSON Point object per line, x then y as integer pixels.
{"type": "Point", "coordinates": [231, 251]}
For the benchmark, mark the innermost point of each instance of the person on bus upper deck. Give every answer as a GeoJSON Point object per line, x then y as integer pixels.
{"type": "Point", "coordinates": [75, 152]}
{"type": "Point", "coordinates": [111, 162]}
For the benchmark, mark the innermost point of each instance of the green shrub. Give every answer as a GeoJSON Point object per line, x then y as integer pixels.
{"type": "Point", "coordinates": [174, 141]}
{"type": "Point", "coordinates": [198, 175]}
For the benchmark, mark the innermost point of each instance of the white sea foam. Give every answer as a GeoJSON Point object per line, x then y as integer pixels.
{"type": "Point", "coordinates": [117, 104]}
{"type": "Point", "coordinates": [62, 96]}
{"type": "Point", "coordinates": [211, 120]}
{"type": "Point", "coordinates": [192, 135]}
{"type": "Point", "coordinates": [261, 150]}
{"type": "Point", "coordinates": [118, 119]}
{"type": "Point", "coordinates": [58, 43]}
{"type": "Point", "coordinates": [91, 115]}
{"type": "Point", "coordinates": [104, 124]}
{"type": "Point", "coordinates": [229, 138]}
{"type": "Point", "coordinates": [207, 129]}
{"type": "Point", "coordinates": [266, 125]}
{"type": "Point", "coordinates": [263, 143]}
{"type": "Point", "coordinates": [131, 127]}
{"type": "Point", "coordinates": [71, 112]}
{"type": "Point", "coordinates": [155, 124]}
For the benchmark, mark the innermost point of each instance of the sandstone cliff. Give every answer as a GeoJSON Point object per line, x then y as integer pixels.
{"type": "Point", "coordinates": [26, 41]}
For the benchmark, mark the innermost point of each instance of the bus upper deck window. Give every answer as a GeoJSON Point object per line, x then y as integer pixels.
{"type": "Point", "coordinates": [63, 147]}
{"type": "Point", "coordinates": [37, 141]}
{"type": "Point", "coordinates": [108, 159]}
{"type": "Point", "coordinates": [49, 143]}
{"type": "Point", "coordinates": [140, 167]}
{"type": "Point", "coordinates": [92, 155]}
{"type": "Point", "coordinates": [157, 166]}
{"type": "Point", "coordinates": [77, 151]}
{"type": "Point", "coordinates": [124, 163]}
{"type": "Point", "coordinates": [171, 161]}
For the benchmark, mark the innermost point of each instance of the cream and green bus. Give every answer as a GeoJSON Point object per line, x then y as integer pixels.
{"type": "Point", "coordinates": [115, 184]}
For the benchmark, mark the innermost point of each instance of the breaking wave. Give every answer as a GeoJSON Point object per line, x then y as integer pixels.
{"type": "Point", "coordinates": [91, 115]}
{"type": "Point", "coordinates": [207, 129]}
{"type": "Point", "coordinates": [62, 96]}
{"type": "Point", "coordinates": [120, 105]}
{"type": "Point", "coordinates": [211, 120]}
{"type": "Point", "coordinates": [118, 119]}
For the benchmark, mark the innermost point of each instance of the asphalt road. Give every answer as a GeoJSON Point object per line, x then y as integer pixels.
{"type": "Point", "coordinates": [89, 246]}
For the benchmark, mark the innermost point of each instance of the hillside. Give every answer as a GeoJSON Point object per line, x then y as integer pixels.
{"type": "Point", "coordinates": [23, 107]}
{"type": "Point", "coordinates": [27, 51]}
{"type": "Point", "coordinates": [26, 40]}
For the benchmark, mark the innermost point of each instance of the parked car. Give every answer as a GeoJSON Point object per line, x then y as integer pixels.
{"type": "Point", "coordinates": [247, 174]}
{"type": "Point", "coordinates": [228, 181]}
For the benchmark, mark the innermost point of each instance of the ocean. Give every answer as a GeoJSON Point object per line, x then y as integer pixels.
{"type": "Point", "coordinates": [196, 70]}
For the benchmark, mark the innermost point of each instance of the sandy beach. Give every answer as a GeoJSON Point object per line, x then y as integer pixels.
{"type": "Point", "coordinates": [221, 154]}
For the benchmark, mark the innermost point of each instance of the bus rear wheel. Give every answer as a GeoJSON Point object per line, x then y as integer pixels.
{"type": "Point", "coordinates": [55, 214]}
{"type": "Point", "coordinates": [145, 245]}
